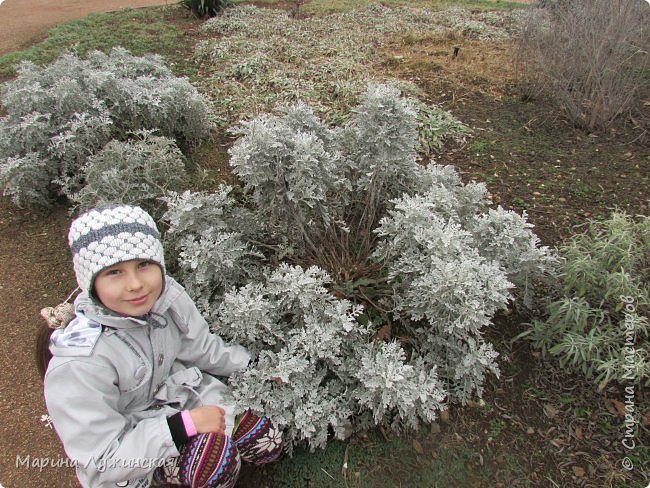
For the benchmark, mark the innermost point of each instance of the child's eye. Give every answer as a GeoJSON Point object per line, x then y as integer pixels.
{"type": "Point", "coordinates": [112, 272]}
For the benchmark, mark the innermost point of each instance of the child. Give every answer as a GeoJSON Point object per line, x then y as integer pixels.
{"type": "Point", "coordinates": [127, 386]}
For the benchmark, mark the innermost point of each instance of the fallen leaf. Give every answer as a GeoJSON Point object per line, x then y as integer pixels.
{"type": "Point", "coordinates": [616, 407]}
{"type": "Point", "coordinates": [530, 430]}
{"type": "Point", "coordinates": [444, 416]}
{"type": "Point", "coordinates": [550, 410]}
{"type": "Point", "coordinates": [578, 471]}
{"type": "Point", "coordinates": [417, 447]}
{"type": "Point", "coordinates": [579, 434]}
{"type": "Point", "coordinates": [435, 428]}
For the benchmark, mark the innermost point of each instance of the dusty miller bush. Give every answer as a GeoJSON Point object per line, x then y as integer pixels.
{"type": "Point", "coordinates": [360, 278]}
{"type": "Point", "coordinates": [61, 114]}
{"type": "Point", "coordinates": [139, 171]}
{"type": "Point", "coordinates": [212, 257]}
{"type": "Point", "coordinates": [600, 325]}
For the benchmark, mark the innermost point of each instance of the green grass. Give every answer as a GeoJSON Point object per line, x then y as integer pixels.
{"type": "Point", "coordinates": [377, 463]}
{"type": "Point", "coordinates": [478, 147]}
{"type": "Point", "coordinates": [140, 31]}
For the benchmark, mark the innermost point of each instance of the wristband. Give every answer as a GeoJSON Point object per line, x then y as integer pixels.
{"type": "Point", "coordinates": [188, 423]}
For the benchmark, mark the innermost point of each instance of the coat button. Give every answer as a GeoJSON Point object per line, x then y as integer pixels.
{"type": "Point", "coordinates": [139, 373]}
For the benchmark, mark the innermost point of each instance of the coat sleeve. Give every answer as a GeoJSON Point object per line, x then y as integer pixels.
{"type": "Point", "coordinates": [202, 348]}
{"type": "Point", "coordinates": [82, 399]}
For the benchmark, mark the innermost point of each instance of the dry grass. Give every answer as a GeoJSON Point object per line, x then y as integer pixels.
{"type": "Point", "coordinates": [477, 67]}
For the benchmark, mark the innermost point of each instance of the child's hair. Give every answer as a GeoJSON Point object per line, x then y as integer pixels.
{"type": "Point", "coordinates": [101, 238]}
{"type": "Point", "coordinates": [42, 351]}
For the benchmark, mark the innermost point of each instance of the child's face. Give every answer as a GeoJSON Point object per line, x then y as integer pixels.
{"type": "Point", "coordinates": [130, 287]}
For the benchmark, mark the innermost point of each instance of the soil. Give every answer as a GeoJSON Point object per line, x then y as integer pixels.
{"type": "Point", "coordinates": [530, 159]}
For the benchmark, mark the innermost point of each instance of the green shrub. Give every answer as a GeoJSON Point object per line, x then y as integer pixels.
{"type": "Point", "coordinates": [205, 8]}
{"type": "Point", "coordinates": [600, 325]}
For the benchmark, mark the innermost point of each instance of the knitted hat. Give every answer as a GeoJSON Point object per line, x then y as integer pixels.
{"type": "Point", "coordinates": [108, 235]}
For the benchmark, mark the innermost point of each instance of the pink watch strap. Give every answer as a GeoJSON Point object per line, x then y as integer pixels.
{"type": "Point", "coordinates": [190, 429]}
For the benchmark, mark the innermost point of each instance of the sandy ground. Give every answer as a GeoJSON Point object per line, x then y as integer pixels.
{"type": "Point", "coordinates": [23, 22]}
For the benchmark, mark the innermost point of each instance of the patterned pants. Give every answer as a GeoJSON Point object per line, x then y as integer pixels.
{"type": "Point", "coordinates": [213, 460]}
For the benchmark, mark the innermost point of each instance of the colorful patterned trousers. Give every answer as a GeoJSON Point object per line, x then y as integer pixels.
{"type": "Point", "coordinates": [213, 460]}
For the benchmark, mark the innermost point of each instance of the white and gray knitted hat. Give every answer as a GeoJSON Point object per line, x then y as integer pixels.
{"type": "Point", "coordinates": [108, 235]}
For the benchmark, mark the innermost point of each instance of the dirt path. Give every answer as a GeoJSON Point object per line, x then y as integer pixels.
{"type": "Point", "coordinates": [23, 22]}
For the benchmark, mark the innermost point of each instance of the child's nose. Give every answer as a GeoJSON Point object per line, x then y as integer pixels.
{"type": "Point", "coordinates": [134, 282]}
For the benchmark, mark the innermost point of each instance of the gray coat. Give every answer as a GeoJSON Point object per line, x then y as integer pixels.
{"type": "Point", "coordinates": [110, 387]}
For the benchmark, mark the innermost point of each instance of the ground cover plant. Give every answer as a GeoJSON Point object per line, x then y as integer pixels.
{"type": "Point", "coordinates": [538, 425]}
{"type": "Point", "coordinates": [252, 64]}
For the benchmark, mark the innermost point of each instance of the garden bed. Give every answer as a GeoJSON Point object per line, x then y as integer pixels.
{"type": "Point", "coordinates": [535, 424]}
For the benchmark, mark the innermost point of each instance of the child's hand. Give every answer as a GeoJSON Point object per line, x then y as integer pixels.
{"type": "Point", "coordinates": [209, 419]}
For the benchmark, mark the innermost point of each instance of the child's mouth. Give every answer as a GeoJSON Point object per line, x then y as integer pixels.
{"type": "Point", "coordinates": [139, 301]}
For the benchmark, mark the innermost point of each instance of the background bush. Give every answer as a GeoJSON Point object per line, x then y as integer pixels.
{"type": "Point", "coordinates": [600, 326]}
{"type": "Point", "coordinates": [60, 115]}
{"type": "Point", "coordinates": [589, 56]}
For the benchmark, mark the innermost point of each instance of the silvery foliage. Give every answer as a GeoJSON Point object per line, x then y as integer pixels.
{"type": "Point", "coordinates": [61, 114]}
{"type": "Point", "coordinates": [212, 258]}
{"type": "Point", "coordinates": [27, 175]}
{"type": "Point", "coordinates": [330, 371]}
{"type": "Point", "coordinates": [290, 164]}
{"type": "Point", "coordinates": [108, 174]}
{"type": "Point", "coordinates": [381, 140]}
{"type": "Point", "coordinates": [387, 381]}
{"type": "Point", "coordinates": [304, 177]}
{"type": "Point", "coordinates": [451, 263]}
